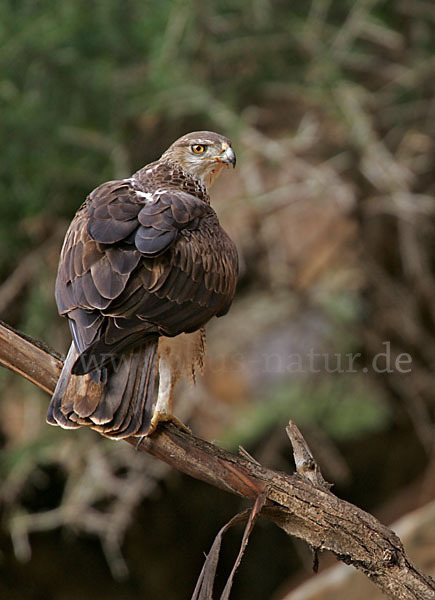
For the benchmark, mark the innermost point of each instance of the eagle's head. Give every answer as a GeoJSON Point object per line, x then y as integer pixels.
{"type": "Point", "coordinates": [202, 154]}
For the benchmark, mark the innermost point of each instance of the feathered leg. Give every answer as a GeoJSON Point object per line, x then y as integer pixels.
{"type": "Point", "coordinates": [163, 408]}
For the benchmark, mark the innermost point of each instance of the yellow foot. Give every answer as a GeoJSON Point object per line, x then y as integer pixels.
{"type": "Point", "coordinates": [160, 417]}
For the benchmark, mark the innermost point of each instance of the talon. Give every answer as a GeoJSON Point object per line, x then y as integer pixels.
{"type": "Point", "coordinates": [160, 417]}
{"type": "Point", "coordinates": [180, 425]}
{"type": "Point", "coordinates": [139, 442]}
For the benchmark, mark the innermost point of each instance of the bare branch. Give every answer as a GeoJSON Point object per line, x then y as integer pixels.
{"type": "Point", "coordinates": [301, 503]}
{"type": "Point", "coordinates": [29, 358]}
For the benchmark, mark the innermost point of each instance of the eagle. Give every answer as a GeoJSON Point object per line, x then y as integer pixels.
{"type": "Point", "coordinates": [145, 264]}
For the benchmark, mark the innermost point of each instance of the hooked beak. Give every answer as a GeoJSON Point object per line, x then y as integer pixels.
{"type": "Point", "coordinates": [228, 157]}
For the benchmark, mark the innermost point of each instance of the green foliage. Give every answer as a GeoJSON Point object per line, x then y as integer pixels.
{"type": "Point", "coordinates": [73, 73]}
{"type": "Point", "coordinates": [340, 406]}
{"type": "Point", "coordinates": [84, 84]}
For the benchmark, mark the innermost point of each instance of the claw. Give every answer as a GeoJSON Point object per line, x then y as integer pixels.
{"type": "Point", "coordinates": [161, 417]}
{"type": "Point", "coordinates": [139, 441]}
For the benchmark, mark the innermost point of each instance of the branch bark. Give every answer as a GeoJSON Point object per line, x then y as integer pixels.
{"type": "Point", "coordinates": [301, 504]}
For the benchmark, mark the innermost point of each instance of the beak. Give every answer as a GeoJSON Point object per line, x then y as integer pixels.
{"type": "Point", "coordinates": [228, 157]}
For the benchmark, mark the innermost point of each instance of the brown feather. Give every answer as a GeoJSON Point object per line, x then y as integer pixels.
{"type": "Point", "coordinates": [109, 282]}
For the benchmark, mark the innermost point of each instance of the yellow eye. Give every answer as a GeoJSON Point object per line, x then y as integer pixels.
{"type": "Point", "coordinates": [198, 148]}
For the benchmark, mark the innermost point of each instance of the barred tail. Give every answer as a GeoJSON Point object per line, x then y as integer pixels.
{"type": "Point", "coordinates": [117, 401]}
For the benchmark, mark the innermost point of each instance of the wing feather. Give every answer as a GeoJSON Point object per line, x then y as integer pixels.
{"type": "Point", "coordinates": [140, 259]}
{"type": "Point", "coordinates": [152, 242]}
{"type": "Point", "coordinates": [109, 282]}
{"type": "Point", "coordinates": [123, 261]}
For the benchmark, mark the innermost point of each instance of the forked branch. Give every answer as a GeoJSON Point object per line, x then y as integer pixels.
{"type": "Point", "coordinates": [301, 504]}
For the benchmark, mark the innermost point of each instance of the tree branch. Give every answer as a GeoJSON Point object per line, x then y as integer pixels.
{"type": "Point", "coordinates": [301, 504]}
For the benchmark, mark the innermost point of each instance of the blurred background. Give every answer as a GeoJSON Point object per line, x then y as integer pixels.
{"type": "Point", "coordinates": [331, 110]}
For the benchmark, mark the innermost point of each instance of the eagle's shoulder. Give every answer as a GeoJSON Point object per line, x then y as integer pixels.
{"type": "Point", "coordinates": [164, 174]}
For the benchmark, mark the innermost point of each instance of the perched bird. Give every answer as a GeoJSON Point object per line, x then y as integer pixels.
{"type": "Point", "coordinates": [144, 265]}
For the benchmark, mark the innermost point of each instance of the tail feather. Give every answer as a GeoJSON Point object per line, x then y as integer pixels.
{"type": "Point", "coordinates": [118, 407]}
{"type": "Point", "coordinates": [119, 417]}
{"type": "Point", "coordinates": [55, 414]}
{"type": "Point", "coordinates": [114, 390]}
{"type": "Point", "coordinates": [101, 353]}
{"type": "Point", "coordinates": [137, 399]}
{"type": "Point", "coordinates": [142, 411]}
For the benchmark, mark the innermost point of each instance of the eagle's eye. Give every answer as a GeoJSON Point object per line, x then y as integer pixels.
{"type": "Point", "coordinates": [198, 148]}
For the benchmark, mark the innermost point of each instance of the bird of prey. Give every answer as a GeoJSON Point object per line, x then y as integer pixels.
{"type": "Point", "coordinates": [144, 266]}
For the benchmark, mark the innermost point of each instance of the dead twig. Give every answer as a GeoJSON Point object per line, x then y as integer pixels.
{"type": "Point", "coordinates": [301, 504]}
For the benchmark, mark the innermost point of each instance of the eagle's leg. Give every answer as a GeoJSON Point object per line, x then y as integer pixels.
{"type": "Point", "coordinates": [163, 408]}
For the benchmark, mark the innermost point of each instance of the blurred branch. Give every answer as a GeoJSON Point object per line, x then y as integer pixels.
{"type": "Point", "coordinates": [95, 140]}
{"type": "Point", "coordinates": [26, 269]}
{"type": "Point", "coordinates": [377, 163]}
{"type": "Point", "coordinates": [301, 503]}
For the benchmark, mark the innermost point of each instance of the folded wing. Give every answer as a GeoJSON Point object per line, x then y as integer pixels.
{"type": "Point", "coordinates": [137, 263]}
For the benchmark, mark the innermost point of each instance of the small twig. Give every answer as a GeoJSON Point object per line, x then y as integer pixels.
{"type": "Point", "coordinates": [243, 452]}
{"type": "Point", "coordinates": [306, 466]}
{"type": "Point", "coordinates": [253, 516]}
